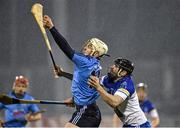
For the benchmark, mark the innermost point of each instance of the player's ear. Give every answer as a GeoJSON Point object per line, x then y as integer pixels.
{"type": "Point", "coordinates": [96, 54]}
{"type": "Point", "coordinates": [122, 72]}
{"type": "Point", "coordinates": [119, 73]}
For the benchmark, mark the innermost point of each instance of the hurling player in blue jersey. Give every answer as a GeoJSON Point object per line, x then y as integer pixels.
{"type": "Point", "coordinates": [87, 62]}
{"type": "Point", "coordinates": [146, 105]}
{"type": "Point", "coordinates": [120, 93]}
{"type": "Point", "coordinates": [17, 115]}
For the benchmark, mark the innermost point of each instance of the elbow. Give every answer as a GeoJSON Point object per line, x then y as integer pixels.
{"type": "Point", "coordinates": [115, 103]}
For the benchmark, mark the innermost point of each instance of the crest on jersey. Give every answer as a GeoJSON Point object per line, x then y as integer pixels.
{"type": "Point", "coordinates": [124, 84]}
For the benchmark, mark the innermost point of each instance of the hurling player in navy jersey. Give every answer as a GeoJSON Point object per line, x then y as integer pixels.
{"type": "Point", "coordinates": [18, 115]}
{"type": "Point", "coordinates": [86, 62]}
{"type": "Point", "coordinates": [146, 105]}
{"type": "Point", "coordinates": [117, 90]}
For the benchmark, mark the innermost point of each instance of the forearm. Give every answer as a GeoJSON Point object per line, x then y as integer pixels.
{"type": "Point", "coordinates": [154, 117]}
{"type": "Point", "coordinates": [116, 121]}
{"type": "Point", "coordinates": [34, 117]}
{"type": "Point", "coordinates": [67, 75]}
{"type": "Point", "coordinates": [62, 43]}
{"type": "Point", "coordinates": [155, 122]}
{"type": "Point", "coordinates": [112, 100]}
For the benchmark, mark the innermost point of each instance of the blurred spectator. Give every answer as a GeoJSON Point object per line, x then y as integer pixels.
{"type": "Point", "coordinates": [18, 115]}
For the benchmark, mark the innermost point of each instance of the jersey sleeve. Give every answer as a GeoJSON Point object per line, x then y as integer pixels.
{"type": "Point", "coordinates": [126, 89]}
{"type": "Point", "coordinates": [33, 107]}
{"type": "Point", "coordinates": [150, 106]}
{"type": "Point", "coordinates": [62, 43]}
{"type": "Point", "coordinates": [154, 114]}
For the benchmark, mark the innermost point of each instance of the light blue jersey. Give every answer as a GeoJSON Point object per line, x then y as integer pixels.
{"type": "Point", "coordinates": [84, 67]}
{"type": "Point", "coordinates": [15, 113]}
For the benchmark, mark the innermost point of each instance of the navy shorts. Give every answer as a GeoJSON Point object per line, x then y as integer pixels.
{"type": "Point", "coordinates": [86, 116]}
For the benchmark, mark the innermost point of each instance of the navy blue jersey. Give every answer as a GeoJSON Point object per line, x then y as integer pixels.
{"type": "Point", "coordinates": [15, 113]}
{"type": "Point", "coordinates": [129, 110]}
{"type": "Point", "coordinates": [147, 106]}
{"type": "Point", "coordinates": [84, 67]}
{"type": "Point", "coordinates": [125, 85]}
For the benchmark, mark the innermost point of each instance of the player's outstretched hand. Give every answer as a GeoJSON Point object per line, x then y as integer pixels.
{"type": "Point", "coordinates": [47, 22]}
{"type": "Point", "coordinates": [70, 102]}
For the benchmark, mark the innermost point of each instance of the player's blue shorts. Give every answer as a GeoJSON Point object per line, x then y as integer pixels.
{"type": "Point", "coordinates": [86, 116]}
{"type": "Point", "coordinates": [145, 125]}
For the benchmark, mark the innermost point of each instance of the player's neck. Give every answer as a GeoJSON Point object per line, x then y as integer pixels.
{"type": "Point", "coordinates": [118, 79]}
{"type": "Point", "coordinates": [17, 95]}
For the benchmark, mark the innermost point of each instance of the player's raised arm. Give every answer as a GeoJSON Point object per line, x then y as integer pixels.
{"type": "Point", "coordinates": [60, 40]}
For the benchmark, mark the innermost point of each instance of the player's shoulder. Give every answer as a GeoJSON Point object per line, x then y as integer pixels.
{"type": "Point", "coordinates": [79, 54]}
{"type": "Point", "coordinates": [127, 84]}
{"type": "Point", "coordinates": [148, 102]}
{"type": "Point", "coordinates": [28, 96]}
{"type": "Point", "coordinates": [85, 56]}
{"type": "Point", "coordinates": [11, 94]}
{"type": "Point", "coordinates": [103, 79]}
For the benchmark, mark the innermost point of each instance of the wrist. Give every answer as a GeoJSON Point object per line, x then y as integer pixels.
{"type": "Point", "coordinates": [50, 27]}
{"type": "Point", "coordinates": [29, 118]}
{"type": "Point", "coordinates": [98, 88]}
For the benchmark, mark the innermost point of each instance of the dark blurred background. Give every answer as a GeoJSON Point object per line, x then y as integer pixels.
{"type": "Point", "coordinates": [144, 31]}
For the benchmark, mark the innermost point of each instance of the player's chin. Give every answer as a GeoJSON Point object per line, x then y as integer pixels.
{"type": "Point", "coordinates": [20, 92]}
{"type": "Point", "coordinates": [85, 53]}
{"type": "Point", "coordinates": [110, 74]}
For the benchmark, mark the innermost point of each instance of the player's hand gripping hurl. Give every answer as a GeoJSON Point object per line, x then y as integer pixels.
{"type": "Point", "coordinates": [47, 22]}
